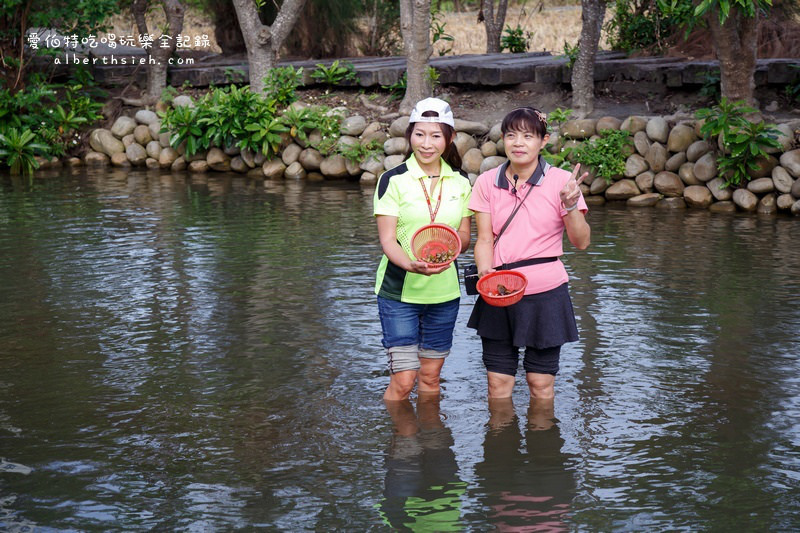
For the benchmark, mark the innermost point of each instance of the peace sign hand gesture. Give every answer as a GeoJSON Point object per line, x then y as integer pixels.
{"type": "Point", "coordinates": [571, 192]}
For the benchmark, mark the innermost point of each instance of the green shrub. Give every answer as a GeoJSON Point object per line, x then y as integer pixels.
{"type": "Point", "coordinates": [336, 73]}
{"type": "Point", "coordinates": [515, 40]}
{"type": "Point", "coordinates": [281, 83]}
{"type": "Point", "coordinates": [18, 148]}
{"type": "Point", "coordinates": [741, 143]}
{"type": "Point", "coordinates": [605, 155]}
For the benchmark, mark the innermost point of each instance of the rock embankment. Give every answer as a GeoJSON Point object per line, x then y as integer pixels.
{"type": "Point", "coordinates": [670, 165]}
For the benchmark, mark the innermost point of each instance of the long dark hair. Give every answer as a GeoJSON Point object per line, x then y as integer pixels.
{"type": "Point", "coordinates": [450, 154]}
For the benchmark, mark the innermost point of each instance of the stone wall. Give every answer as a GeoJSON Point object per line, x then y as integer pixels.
{"type": "Point", "coordinates": [671, 166]}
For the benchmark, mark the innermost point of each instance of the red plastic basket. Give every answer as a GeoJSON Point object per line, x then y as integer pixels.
{"type": "Point", "coordinates": [512, 281]}
{"type": "Point", "coordinates": [436, 244]}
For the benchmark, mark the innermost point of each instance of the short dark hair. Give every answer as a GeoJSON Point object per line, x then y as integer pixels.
{"type": "Point", "coordinates": [450, 154]}
{"type": "Point", "coordinates": [525, 119]}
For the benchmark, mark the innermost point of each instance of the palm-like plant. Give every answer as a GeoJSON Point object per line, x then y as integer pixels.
{"type": "Point", "coordinates": [19, 150]}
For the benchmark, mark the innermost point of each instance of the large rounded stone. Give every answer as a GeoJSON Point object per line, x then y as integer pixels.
{"type": "Point", "coordinates": [675, 162]}
{"type": "Point", "coordinates": [199, 166]}
{"type": "Point", "coordinates": [120, 159]}
{"type": "Point", "coordinates": [580, 128]}
{"type": "Point", "coordinates": [274, 169]}
{"type": "Point", "coordinates": [785, 139]}
{"type": "Point", "coordinates": [657, 129]}
{"type": "Point", "coordinates": [471, 161]}
{"type": "Point", "coordinates": [128, 140]}
{"type": "Point", "coordinates": [680, 138]}
{"type": "Point", "coordinates": [767, 205]}
{"type": "Point", "coordinates": [784, 201]}
{"type": "Point", "coordinates": [501, 147]}
{"type": "Point", "coordinates": [761, 186]}
{"type": "Point", "coordinates": [145, 116]}
{"type": "Point", "coordinates": [153, 149]}
{"type": "Point", "coordinates": [645, 181]}
{"type": "Point", "coordinates": [354, 125]}
{"type": "Point", "coordinates": [795, 209]}
{"type": "Point", "coordinates": [249, 157]}
{"type": "Point", "coordinates": [155, 129]}
{"type": "Point", "coordinates": [346, 140]}
{"type": "Point", "coordinates": [96, 159]}
{"type": "Point", "coordinates": [686, 173]}
{"type": "Point", "coordinates": [598, 186]}
{"type": "Point", "coordinates": [238, 165]}
{"type": "Point", "coordinates": [368, 178]}
{"type": "Point", "coordinates": [795, 189]}
{"type": "Point", "coordinates": [634, 124]}
{"type": "Point", "coordinates": [392, 161]}
{"type": "Point", "coordinates": [635, 165]}
{"type": "Point", "coordinates": [641, 143]}
{"type": "Point", "coordinates": [782, 180]}
{"type": "Point", "coordinates": [295, 171]}
{"type": "Point", "coordinates": [669, 184]}
{"type": "Point", "coordinates": [719, 189]}
{"type": "Point", "coordinates": [656, 157]}
{"type": "Point", "coordinates": [123, 126]}
{"type": "Point", "coordinates": [396, 145]}
{"type": "Point", "coordinates": [495, 133]}
{"type": "Point", "coordinates": [182, 100]}
{"type": "Point", "coordinates": [698, 196]}
{"type": "Point", "coordinates": [622, 190]}
{"type": "Point", "coordinates": [790, 161]}
{"type": "Point", "coordinates": [491, 162]}
{"type": "Point", "coordinates": [608, 123]}
{"type": "Point", "coordinates": [671, 203]}
{"type": "Point", "coordinates": [290, 154]}
{"type": "Point", "coordinates": [471, 127]}
{"type": "Point", "coordinates": [725, 206]}
{"type": "Point", "coordinates": [218, 160]}
{"type": "Point", "coordinates": [489, 149]}
{"type": "Point", "coordinates": [136, 154]}
{"type": "Point", "coordinates": [464, 142]}
{"type": "Point", "coordinates": [373, 132]}
{"type": "Point", "coordinates": [179, 164]}
{"type": "Point", "coordinates": [167, 157]}
{"type": "Point", "coordinates": [163, 140]}
{"type": "Point", "coordinates": [310, 159]}
{"type": "Point", "coordinates": [644, 200]}
{"type": "Point", "coordinates": [103, 141]}
{"type": "Point", "coordinates": [705, 168]}
{"type": "Point", "coordinates": [697, 150]}
{"type": "Point", "coordinates": [373, 164]}
{"type": "Point", "coordinates": [315, 176]}
{"type": "Point", "coordinates": [398, 127]}
{"type": "Point", "coordinates": [764, 166]}
{"type": "Point", "coordinates": [745, 200]}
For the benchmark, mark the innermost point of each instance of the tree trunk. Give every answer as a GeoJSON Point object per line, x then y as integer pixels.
{"type": "Point", "coordinates": [735, 43]}
{"type": "Point", "coordinates": [493, 23]}
{"type": "Point", "coordinates": [263, 42]}
{"type": "Point", "coordinates": [158, 56]}
{"type": "Point", "coordinates": [592, 13]}
{"type": "Point", "coordinates": [415, 24]}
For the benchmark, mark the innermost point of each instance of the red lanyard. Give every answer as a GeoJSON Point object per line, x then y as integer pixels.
{"type": "Point", "coordinates": [428, 199]}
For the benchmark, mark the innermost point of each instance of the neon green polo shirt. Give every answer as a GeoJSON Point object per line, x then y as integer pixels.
{"type": "Point", "coordinates": [400, 195]}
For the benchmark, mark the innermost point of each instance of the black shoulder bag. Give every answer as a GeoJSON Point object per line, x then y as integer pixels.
{"type": "Point", "coordinates": [471, 271]}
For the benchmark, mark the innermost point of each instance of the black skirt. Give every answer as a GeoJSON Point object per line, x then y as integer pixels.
{"type": "Point", "coordinates": [539, 320]}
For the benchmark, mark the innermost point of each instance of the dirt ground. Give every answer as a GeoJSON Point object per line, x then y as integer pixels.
{"type": "Point", "coordinates": [490, 106]}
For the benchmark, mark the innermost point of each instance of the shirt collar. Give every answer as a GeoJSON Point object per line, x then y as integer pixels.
{"type": "Point", "coordinates": [501, 182]}
{"type": "Point", "coordinates": [416, 171]}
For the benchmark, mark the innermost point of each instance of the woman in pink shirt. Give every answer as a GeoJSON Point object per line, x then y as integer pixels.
{"type": "Point", "coordinates": [551, 202]}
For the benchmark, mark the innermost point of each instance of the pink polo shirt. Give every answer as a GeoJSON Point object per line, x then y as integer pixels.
{"type": "Point", "coordinates": [537, 230]}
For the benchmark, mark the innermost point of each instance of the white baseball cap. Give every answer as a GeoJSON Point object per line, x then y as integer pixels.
{"type": "Point", "coordinates": [442, 108]}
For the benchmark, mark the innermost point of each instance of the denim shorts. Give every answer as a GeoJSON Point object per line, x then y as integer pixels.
{"type": "Point", "coordinates": [422, 329]}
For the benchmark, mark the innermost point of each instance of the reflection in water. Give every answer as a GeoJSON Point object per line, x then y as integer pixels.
{"type": "Point", "coordinates": [525, 483]}
{"type": "Point", "coordinates": [422, 489]}
{"type": "Point", "coordinates": [202, 353]}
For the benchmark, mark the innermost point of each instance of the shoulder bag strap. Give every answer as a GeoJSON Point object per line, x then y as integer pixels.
{"type": "Point", "coordinates": [514, 212]}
